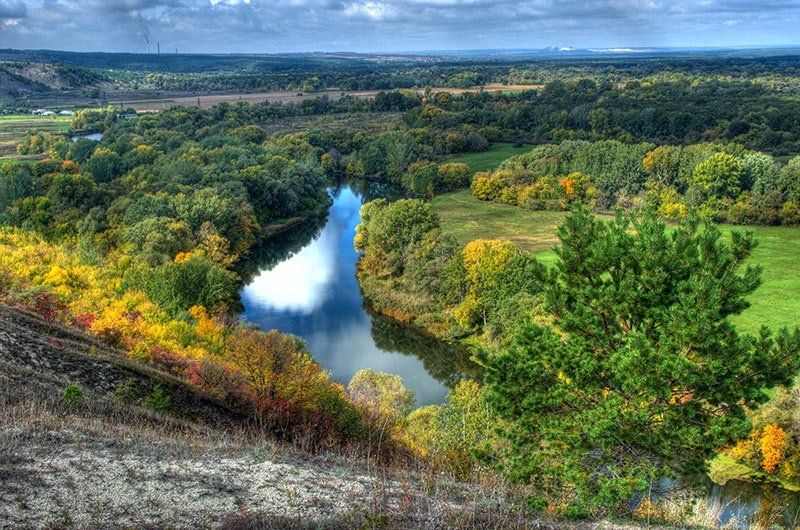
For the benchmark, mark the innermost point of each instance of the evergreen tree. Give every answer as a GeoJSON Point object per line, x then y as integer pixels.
{"type": "Point", "coordinates": [642, 374]}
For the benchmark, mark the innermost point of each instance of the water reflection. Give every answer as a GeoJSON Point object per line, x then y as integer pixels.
{"type": "Point", "coordinates": [306, 285]}
{"type": "Point", "coordinates": [446, 363]}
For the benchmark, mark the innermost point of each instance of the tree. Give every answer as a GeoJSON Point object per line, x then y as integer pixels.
{"type": "Point", "coordinates": [16, 182]}
{"type": "Point", "coordinates": [383, 391]}
{"type": "Point", "coordinates": [156, 240]}
{"type": "Point", "coordinates": [453, 175]}
{"type": "Point", "coordinates": [758, 168]}
{"type": "Point", "coordinates": [789, 180]}
{"type": "Point", "coordinates": [718, 176]}
{"type": "Point", "coordinates": [389, 229]}
{"type": "Point", "coordinates": [642, 374]}
{"type": "Point", "coordinates": [384, 403]}
{"type": "Point", "coordinates": [663, 164]}
{"type": "Point", "coordinates": [105, 165]}
{"type": "Point", "coordinates": [422, 179]}
{"type": "Point", "coordinates": [495, 271]}
{"type": "Point", "coordinates": [452, 434]}
{"type": "Point", "coordinates": [177, 286]}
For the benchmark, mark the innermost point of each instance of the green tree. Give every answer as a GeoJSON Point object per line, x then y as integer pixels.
{"type": "Point", "coordinates": [789, 180]}
{"type": "Point", "coordinates": [178, 286]}
{"type": "Point", "coordinates": [718, 176]}
{"type": "Point", "coordinates": [157, 240]}
{"type": "Point", "coordinates": [453, 175]}
{"type": "Point", "coordinates": [389, 229]}
{"type": "Point", "coordinates": [16, 182]}
{"type": "Point", "coordinates": [642, 374]}
{"type": "Point", "coordinates": [422, 179]}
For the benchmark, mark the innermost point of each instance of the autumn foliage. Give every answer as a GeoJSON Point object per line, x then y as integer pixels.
{"type": "Point", "coordinates": [269, 376]}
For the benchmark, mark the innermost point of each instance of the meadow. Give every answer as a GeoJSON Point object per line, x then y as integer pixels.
{"type": "Point", "coordinates": [489, 159]}
{"type": "Point", "coordinates": [776, 303]}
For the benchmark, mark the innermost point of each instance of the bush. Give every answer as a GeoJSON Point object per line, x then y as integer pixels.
{"type": "Point", "coordinates": [159, 400]}
{"type": "Point", "coordinates": [73, 395]}
{"type": "Point", "coordinates": [176, 287]}
{"type": "Point", "coordinates": [453, 175]}
{"type": "Point", "coordinates": [487, 186]}
{"type": "Point", "coordinates": [384, 403]}
{"type": "Point", "coordinates": [790, 213]}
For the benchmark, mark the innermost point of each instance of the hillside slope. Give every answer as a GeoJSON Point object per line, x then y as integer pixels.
{"type": "Point", "coordinates": [113, 462]}
{"type": "Point", "coordinates": [20, 79]}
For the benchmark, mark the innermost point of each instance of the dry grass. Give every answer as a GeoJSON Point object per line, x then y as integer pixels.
{"type": "Point", "coordinates": [105, 464]}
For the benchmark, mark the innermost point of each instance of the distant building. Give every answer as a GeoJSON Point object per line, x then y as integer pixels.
{"type": "Point", "coordinates": [66, 113]}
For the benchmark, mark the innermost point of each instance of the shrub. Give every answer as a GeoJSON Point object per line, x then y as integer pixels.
{"type": "Point", "coordinates": [159, 400]}
{"type": "Point", "coordinates": [128, 391]}
{"type": "Point", "coordinates": [790, 213]}
{"type": "Point", "coordinates": [73, 395]}
{"type": "Point", "coordinates": [453, 175]}
{"type": "Point", "coordinates": [487, 186]}
{"type": "Point", "coordinates": [384, 403]}
{"type": "Point", "coordinates": [176, 287]}
{"type": "Point", "coordinates": [457, 435]}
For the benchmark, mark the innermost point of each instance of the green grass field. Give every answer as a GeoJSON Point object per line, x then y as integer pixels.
{"type": "Point", "coordinates": [14, 127]}
{"type": "Point", "coordinates": [775, 304]}
{"type": "Point", "coordinates": [489, 160]}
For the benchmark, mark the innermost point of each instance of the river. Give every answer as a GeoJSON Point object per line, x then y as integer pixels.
{"type": "Point", "coordinates": [306, 285]}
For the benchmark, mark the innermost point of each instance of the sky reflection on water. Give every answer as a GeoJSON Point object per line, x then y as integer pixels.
{"type": "Point", "coordinates": [314, 293]}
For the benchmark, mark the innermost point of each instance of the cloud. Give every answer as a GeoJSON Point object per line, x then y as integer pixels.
{"type": "Point", "coordinates": [392, 25]}
{"type": "Point", "coordinates": [299, 284]}
{"type": "Point", "coordinates": [375, 11]}
{"type": "Point", "coordinates": [12, 10]}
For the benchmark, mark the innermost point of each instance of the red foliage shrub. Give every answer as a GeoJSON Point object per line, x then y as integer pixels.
{"type": "Point", "coordinates": [47, 305]}
{"type": "Point", "coordinates": [84, 320]}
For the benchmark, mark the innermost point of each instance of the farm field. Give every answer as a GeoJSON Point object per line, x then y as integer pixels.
{"type": "Point", "coordinates": [491, 158]}
{"type": "Point", "coordinates": [13, 127]}
{"type": "Point", "coordinates": [775, 304]}
{"type": "Point", "coordinates": [285, 96]}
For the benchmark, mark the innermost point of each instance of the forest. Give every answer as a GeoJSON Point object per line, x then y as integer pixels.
{"type": "Point", "coordinates": [611, 365]}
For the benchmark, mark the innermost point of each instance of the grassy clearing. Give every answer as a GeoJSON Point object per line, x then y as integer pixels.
{"type": "Point", "coordinates": [489, 160]}
{"type": "Point", "coordinates": [775, 304]}
{"type": "Point", "coordinates": [467, 218]}
{"type": "Point", "coordinates": [14, 127]}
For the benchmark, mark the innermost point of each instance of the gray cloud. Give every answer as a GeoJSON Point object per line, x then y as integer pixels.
{"type": "Point", "coordinates": [12, 10]}
{"type": "Point", "coordinates": [391, 25]}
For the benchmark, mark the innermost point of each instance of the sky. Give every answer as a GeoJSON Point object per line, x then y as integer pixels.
{"type": "Point", "coordinates": [269, 26]}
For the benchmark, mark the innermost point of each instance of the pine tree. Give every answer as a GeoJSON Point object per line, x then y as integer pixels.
{"type": "Point", "coordinates": [642, 373]}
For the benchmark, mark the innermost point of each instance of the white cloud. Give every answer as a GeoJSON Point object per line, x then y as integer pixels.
{"type": "Point", "coordinates": [375, 11]}
{"type": "Point", "coordinates": [299, 284]}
